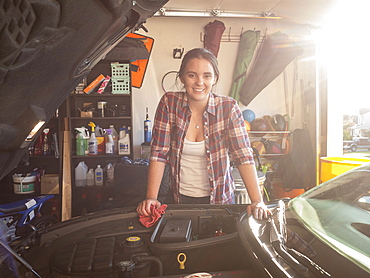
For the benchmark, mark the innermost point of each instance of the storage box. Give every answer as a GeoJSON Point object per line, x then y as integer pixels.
{"type": "Point", "coordinates": [120, 86]}
{"type": "Point", "coordinates": [87, 114]}
{"type": "Point", "coordinates": [121, 80]}
{"type": "Point", "coordinates": [50, 184]}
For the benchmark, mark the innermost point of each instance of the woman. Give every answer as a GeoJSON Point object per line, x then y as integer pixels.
{"type": "Point", "coordinates": [195, 132]}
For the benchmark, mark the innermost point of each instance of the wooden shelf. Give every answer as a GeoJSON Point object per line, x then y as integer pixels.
{"type": "Point", "coordinates": [269, 132]}
{"type": "Point", "coordinates": [113, 156]}
{"type": "Point", "coordinates": [101, 95]}
{"type": "Point", "coordinates": [100, 118]}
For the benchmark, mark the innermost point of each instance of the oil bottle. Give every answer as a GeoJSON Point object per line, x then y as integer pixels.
{"type": "Point", "coordinates": [147, 128]}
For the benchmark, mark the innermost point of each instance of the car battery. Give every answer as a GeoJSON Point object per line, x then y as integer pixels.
{"type": "Point", "coordinates": [176, 230]}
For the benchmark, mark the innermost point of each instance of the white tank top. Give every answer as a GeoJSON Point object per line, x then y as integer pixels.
{"type": "Point", "coordinates": [193, 170]}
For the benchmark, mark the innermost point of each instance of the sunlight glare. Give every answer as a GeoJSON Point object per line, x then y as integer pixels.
{"type": "Point", "coordinates": [345, 45]}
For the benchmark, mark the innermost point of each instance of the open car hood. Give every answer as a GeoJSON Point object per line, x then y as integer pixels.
{"type": "Point", "coordinates": [46, 48]}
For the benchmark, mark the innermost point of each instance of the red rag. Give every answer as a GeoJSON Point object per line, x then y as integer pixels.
{"type": "Point", "coordinates": [151, 219]}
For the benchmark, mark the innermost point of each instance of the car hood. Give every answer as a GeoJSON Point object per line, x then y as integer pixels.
{"type": "Point", "coordinates": [47, 47]}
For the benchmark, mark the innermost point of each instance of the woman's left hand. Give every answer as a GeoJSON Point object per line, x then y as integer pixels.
{"type": "Point", "coordinates": [259, 210]}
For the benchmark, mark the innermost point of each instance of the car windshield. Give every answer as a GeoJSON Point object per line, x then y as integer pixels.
{"type": "Point", "coordinates": [338, 213]}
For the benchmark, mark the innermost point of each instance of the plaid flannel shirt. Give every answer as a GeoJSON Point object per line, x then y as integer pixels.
{"type": "Point", "coordinates": [224, 133]}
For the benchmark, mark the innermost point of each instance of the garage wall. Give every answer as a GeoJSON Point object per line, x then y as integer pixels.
{"type": "Point", "coordinates": [182, 32]}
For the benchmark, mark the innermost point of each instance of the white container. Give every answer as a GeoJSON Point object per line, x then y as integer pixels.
{"type": "Point", "coordinates": [109, 145]}
{"type": "Point", "coordinates": [115, 138]}
{"type": "Point", "coordinates": [90, 178]}
{"type": "Point", "coordinates": [24, 185]}
{"type": "Point", "coordinates": [81, 174]}
{"type": "Point", "coordinates": [93, 144]}
{"type": "Point", "coordinates": [123, 142]}
{"type": "Point", "coordinates": [110, 173]}
{"type": "Point", "coordinates": [99, 176]}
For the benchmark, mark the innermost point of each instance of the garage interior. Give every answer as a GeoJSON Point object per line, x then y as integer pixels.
{"type": "Point", "coordinates": [300, 90]}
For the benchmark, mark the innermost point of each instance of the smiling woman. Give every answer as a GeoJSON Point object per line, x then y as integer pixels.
{"type": "Point", "coordinates": [199, 134]}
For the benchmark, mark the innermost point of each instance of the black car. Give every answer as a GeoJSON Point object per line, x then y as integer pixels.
{"type": "Point", "coordinates": [324, 232]}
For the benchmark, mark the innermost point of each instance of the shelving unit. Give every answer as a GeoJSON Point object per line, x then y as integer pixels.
{"type": "Point", "coordinates": [272, 158]}
{"type": "Point", "coordinates": [117, 113]}
{"type": "Point", "coordinates": [271, 135]}
{"type": "Point", "coordinates": [50, 164]}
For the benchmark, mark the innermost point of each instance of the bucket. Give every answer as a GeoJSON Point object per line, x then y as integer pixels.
{"type": "Point", "coordinates": [24, 185]}
{"type": "Point", "coordinates": [331, 167]}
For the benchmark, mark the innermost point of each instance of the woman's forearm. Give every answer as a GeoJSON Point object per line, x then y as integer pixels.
{"type": "Point", "coordinates": [155, 174]}
{"type": "Point", "coordinates": [248, 174]}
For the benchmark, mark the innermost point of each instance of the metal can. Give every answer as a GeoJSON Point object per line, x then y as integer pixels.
{"type": "Point", "coordinates": [102, 106]}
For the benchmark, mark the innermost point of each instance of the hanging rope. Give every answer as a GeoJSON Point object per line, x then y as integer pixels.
{"type": "Point", "coordinates": [286, 91]}
{"type": "Point", "coordinates": [295, 78]}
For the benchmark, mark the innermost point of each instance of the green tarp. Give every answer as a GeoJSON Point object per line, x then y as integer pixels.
{"type": "Point", "coordinates": [247, 46]}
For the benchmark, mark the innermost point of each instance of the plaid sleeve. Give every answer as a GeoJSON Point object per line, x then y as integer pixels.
{"type": "Point", "coordinates": [160, 144]}
{"type": "Point", "coordinates": [240, 147]}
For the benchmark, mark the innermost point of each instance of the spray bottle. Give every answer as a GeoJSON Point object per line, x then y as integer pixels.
{"type": "Point", "coordinates": [80, 144]}
{"type": "Point", "coordinates": [93, 142]}
{"type": "Point", "coordinates": [147, 128]}
{"type": "Point", "coordinates": [85, 135]}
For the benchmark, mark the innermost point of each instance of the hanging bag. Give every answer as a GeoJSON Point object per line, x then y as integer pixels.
{"type": "Point", "coordinates": [298, 167]}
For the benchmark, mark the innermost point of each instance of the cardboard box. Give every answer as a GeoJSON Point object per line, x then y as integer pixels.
{"type": "Point", "coordinates": [50, 184]}
{"type": "Point", "coordinates": [87, 114]}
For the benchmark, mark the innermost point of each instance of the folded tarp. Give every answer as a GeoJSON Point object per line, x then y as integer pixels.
{"type": "Point", "coordinates": [247, 46]}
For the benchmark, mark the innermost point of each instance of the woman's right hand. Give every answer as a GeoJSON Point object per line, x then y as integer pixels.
{"type": "Point", "coordinates": [144, 207]}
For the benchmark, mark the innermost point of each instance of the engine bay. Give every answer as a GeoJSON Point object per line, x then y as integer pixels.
{"type": "Point", "coordinates": [181, 242]}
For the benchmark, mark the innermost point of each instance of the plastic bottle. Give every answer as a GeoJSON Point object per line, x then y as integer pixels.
{"type": "Point", "coordinates": [81, 174]}
{"type": "Point", "coordinates": [100, 136]}
{"type": "Point", "coordinates": [90, 177]}
{"type": "Point", "coordinates": [123, 142]}
{"type": "Point", "coordinates": [93, 142]}
{"type": "Point", "coordinates": [38, 146]}
{"type": "Point", "coordinates": [46, 148]}
{"type": "Point", "coordinates": [147, 128]}
{"type": "Point", "coordinates": [110, 173]}
{"type": "Point", "coordinates": [85, 135]}
{"type": "Point", "coordinates": [109, 144]}
{"type": "Point", "coordinates": [99, 176]}
{"type": "Point", "coordinates": [115, 138]}
{"type": "Point", "coordinates": [80, 144]}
